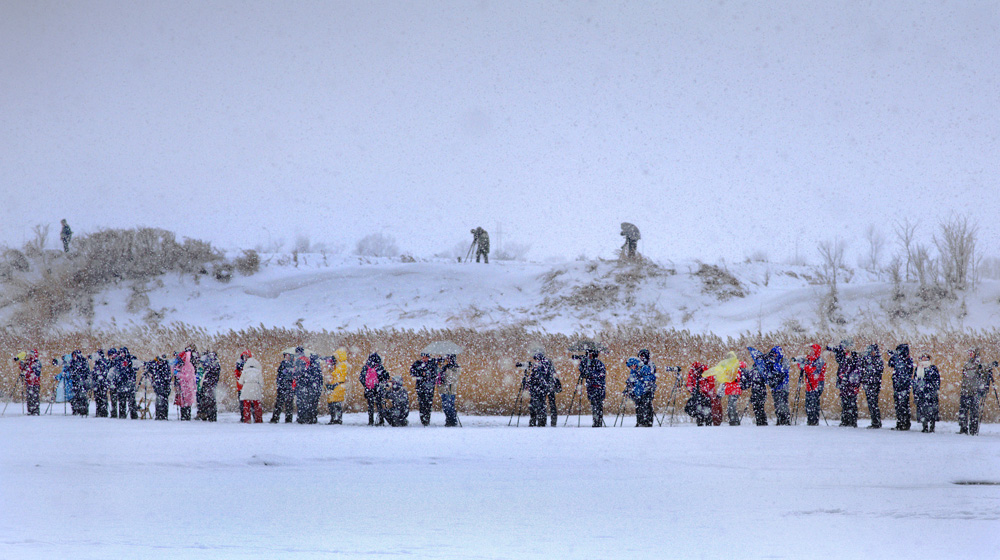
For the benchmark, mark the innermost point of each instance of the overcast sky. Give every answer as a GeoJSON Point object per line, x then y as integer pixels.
{"type": "Point", "coordinates": [719, 129]}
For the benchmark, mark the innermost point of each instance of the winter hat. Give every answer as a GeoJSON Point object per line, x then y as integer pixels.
{"type": "Point", "coordinates": [632, 362]}
{"type": "Point", "coordinates": [644, 354]}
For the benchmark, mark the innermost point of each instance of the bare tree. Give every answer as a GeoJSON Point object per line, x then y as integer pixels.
{"type": "Point", "coordinates": [905, 234]}
{"type": "Point", "coordinates": [957, 247]}
{"type": "Point", "coordinates": [922, 264]}
{"type": "Point", "coordinates": [876, 244]}
{"type": "Point", "coordinates": [832, 255]}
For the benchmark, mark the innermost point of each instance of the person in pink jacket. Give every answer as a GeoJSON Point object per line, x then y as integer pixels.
{"type": "Point", "coordinates": [185, 383]}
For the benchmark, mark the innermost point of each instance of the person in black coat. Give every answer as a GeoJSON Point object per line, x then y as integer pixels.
{"type": "Point", "coordinates": [112, 358]}
{"type": "Point", "coordinates": [309, 387]}
{"type": "Point", "coordinates": [396, 403]}
{"type": "Point", "coordinates": [848, 383]}
{"type": "Point", "coordinates": [594, 374]}
{"type": "Point", "coordinates": [79, 374]}
{"type": "Point", "coordinates": [926, 384]}
{"type": "Point", "coordinates": [755, 379]}
{"type": "Point", "coordinates": [902, 374]}
{"type": "Point", "coordinates": [101, 384]}
{"type": "Point", "coordinates": [125, 384]}
{"type": "Point", "coordinates": [208, 409]}
{"type": "Point", "coordinates": [284, 400]}
{"type": "Point", "coordinates": [540, 380]}
{"type": "Point", "coordinates": [158, 371]}
{"type": "Point", "coordinates": [374, 378]}
{"type": "Point", "coordinates": [424, 371]}
{"type": "Point", "coordinates": [872, 368]}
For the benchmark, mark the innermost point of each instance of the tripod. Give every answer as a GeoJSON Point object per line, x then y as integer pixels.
{"type": "Point", "coordinates": [672, 398]}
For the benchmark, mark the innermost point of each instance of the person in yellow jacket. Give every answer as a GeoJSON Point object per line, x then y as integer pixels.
{"type": "Point", "coordinates": [336, 385]}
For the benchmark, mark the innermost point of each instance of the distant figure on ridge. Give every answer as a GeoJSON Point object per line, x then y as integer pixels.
{"type": "Point", "coordinates": [66, 235]}
{"type": "Point", "coordinates": [631, 234]}
{"type": "Point", "coordinates": [481, 240]}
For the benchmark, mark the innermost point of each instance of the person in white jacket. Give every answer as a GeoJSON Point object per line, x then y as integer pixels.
{"type": "Point", "coordinates": [251, 383]}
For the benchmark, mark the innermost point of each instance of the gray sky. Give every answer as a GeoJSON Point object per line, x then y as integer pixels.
{"type": "Point", "coordinates": [719, 129]}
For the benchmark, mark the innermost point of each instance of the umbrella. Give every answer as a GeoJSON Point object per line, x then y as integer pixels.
{"type": "Point", "coordinates": [442, 347]}
{"type": "Point", "coordinates": [585, 344]}
{"type": "Point", "coordinates": [291, 350]}
{"type": "Point", "coordinates": [630, 231]}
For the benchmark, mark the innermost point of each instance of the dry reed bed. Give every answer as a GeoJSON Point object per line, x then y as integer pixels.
{"type": "Point", "coordinates": [490, 380]}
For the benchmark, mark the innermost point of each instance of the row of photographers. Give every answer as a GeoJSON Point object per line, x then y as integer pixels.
{"type": "Point", "coordinates": [300, 381]}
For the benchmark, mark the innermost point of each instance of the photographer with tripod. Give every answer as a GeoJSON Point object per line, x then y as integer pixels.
{"type": "Point", "coordinates": [541, 382]}
{"type": "Point", "coordinates": [594, 374]}
{"type": "Point", "coordinates": [812, 369]}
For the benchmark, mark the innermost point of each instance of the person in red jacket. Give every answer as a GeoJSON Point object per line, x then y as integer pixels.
{"type": "Point", "coordinates": [704, 406]}
{"type": "Point", "coordinates": [813, 372]}
{"type": "Point", "coordinates": [31, 374]}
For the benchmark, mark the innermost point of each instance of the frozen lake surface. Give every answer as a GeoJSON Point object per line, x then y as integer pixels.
{"type": "Point", "coordinates": [108, 488]}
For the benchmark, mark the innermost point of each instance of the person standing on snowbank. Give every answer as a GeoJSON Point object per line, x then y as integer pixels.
{"type": "Point", "coordinates": [65, 235]}
{"type": "Point", "coordinates": [374, 378]}
{"type": "Point", "coordinates": [631, 234]}
{"type": "Point", "coordinates": [448, 376]}
{"type": "Point", "coordinates": [283, 381]}
{"type": "Point", "coordinates": [926, 384]}
{"type": "Point", "coordinates": [872, 368]}
{"type": "Point", "coordinates": [902, 374]}
{"type": "Point", "coordinates": [158, 370]}
{"type": "Point", "coordinates": [252, 392]}
{"type": "Point", "coordinates": [538, 380]}
{"type": "Point", "coordinates": [101, 383]}
{"type": "Point", "coordinates": [976, 379]}
{"type": "Point", "coordinates": [594, 374]}
{"type": "Point", "coordinates": [31, 375]}
{"type": "Point", "coordinates": [336, 385]}
{"type": "Point", "coordinates": [185, 380]}
{"type": "Point", "coordinates": [208, 409]}
{"type": "Point", "coordinates": [424, 372]}
{"type": "Point", "coordinates": [481, 240]}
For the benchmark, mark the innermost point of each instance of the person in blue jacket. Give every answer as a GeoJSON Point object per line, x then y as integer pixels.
{"type": "Point", "coordinates": [641, 387]}
{"type": "Point", "coordinates": [774, 369]}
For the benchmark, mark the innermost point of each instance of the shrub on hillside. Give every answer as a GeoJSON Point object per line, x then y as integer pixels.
{"type": "Point", "coordinates": [377, 245]}
{"type": "Point", "coordinates": [248, 263]}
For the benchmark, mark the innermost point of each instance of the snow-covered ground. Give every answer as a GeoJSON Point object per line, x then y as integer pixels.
{"type": "Point", "coordinates": [107, 488]}
{"type": "Point", "coordinates": [326, 292]}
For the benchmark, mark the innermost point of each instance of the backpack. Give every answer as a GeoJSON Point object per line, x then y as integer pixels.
{"type": "Point", "coordinates": [371, 378]}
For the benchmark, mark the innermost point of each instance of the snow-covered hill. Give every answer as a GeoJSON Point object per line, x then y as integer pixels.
{"type": "Point", "coordinates": [322, 292]}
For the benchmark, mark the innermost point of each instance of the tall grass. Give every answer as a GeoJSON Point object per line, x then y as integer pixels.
{"type": "Point", "coordinates": [489, 379]}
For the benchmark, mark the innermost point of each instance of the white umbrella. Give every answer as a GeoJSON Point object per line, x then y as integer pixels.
{"type": "Point", "coordinates": [442, 348]}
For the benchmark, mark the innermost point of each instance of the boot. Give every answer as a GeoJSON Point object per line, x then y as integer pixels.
{"type": "Point", "coordinates": [274, 419]}
{"type": "Point", "coordinates": [932, 427]}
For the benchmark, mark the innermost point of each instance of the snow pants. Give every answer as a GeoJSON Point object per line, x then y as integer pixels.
{"type": "Point", "coordinates": [450, 414]}
{"type": "Point", "coordinates": [848, 409]}
{"type": "Point", "coordinates": [927, 409]}
{"type": "Point", "coordinates": [126, 405]}
{"type": "Point", "coordinates": [31, 395]}
{"type": "Point", "coordinates": [871, 395]}
{"type": "Point", "coordinates": [425, 401]}
{"type": "Point", "coordinates": [757, 397]}
{"type": "Point", "coordinates": [732, 410]}
{"type": "Point", "coordinates": [251, 412]}
{"type": "Point", "coordinates": [781, 409]}
{"type": "Point", "coordinates": [162, 406]}
{"type": "Point", "coordinates": [101, 402]}
{"type": "Point", "coordinates": [336, 412]}
{"type": "Point", "coordinates": [485, 254]}
{"type": "Point", "coordinates": [902, 401]}
{"type": "Point", "coordinates": [644, 410]}
{"type": "Point", "coordinates": [551, 398]}
{"type": "Point", "coordinates": [208, 408]}
{"type": "Point", "coordinates": [596, 398]}
{"type": "Point", "coordinates": [283, 403]}
{"type": "Point", "coordinates": [536, 409]}
{"type": "Point", "coordinates": [812, 405]}
{"type": "Point", "coordinates": [968, 415]}
{"type": "Point", "coordinates": [185, 413]}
